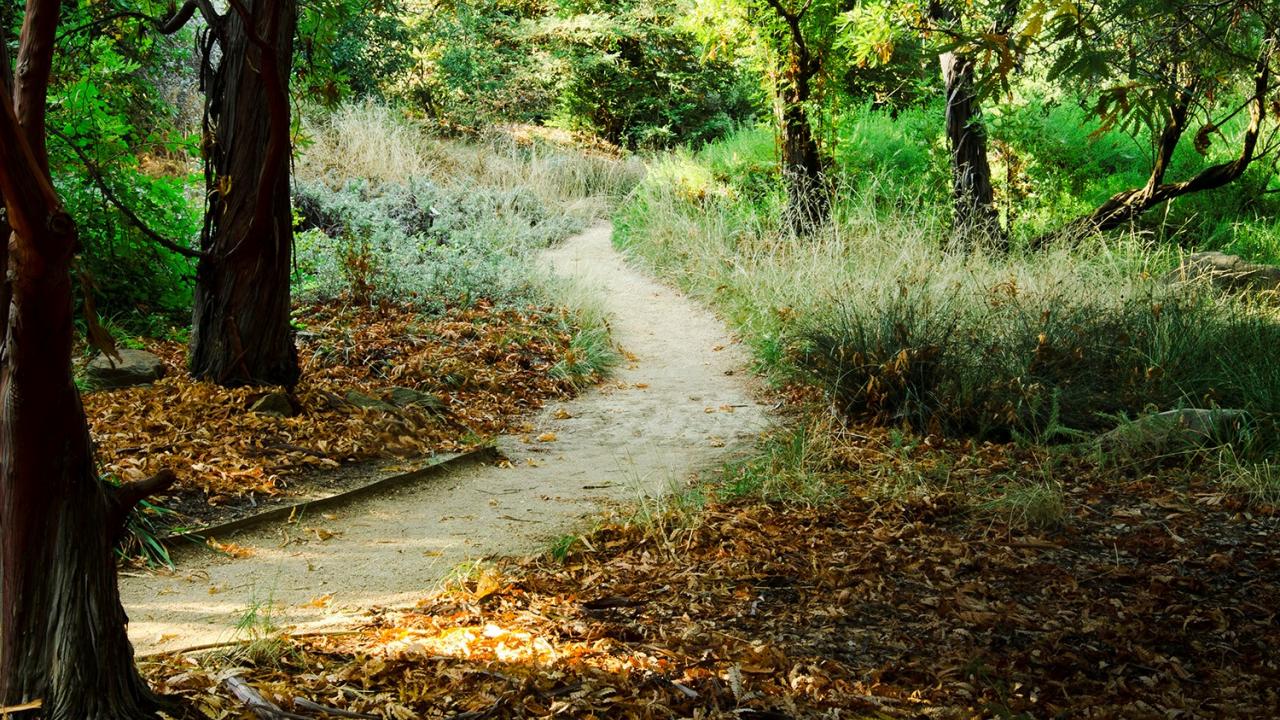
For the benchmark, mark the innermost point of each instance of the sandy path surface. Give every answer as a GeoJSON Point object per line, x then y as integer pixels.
{"type": "Point", "coordinates": [683, 404]}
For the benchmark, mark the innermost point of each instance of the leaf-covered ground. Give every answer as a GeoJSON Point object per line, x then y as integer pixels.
{"type": "Point", "coordinates": [1155, 597]}
{"type": "Point", "coordinates": [486, 367]}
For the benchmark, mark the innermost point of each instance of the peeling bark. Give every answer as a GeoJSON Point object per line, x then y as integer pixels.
{"type": "Point", "coordinates": [241, 333]}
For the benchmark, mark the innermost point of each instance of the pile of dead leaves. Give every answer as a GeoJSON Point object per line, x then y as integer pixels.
{"type": "Point", "coordinates": [484, 368]}
{"type": "Point", "coordinates": [1157, 597]}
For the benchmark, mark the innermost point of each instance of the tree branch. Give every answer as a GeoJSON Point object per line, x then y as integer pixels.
{"type": "Point", "coordinates": [31, 86]}
{"type": "Point", "coordinates": [122, 500]}
{"type": "Point", "coordinates": [98, 180]}
{"type": "Point", "coordinates": [1125, 206]}
{"type": "Point", "coordinates": [793, 19]}
{"type": "Point", "coordinates": [162, 25]}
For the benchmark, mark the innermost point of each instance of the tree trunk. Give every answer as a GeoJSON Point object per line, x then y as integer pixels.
{"type": "Point", "coordinates": [241, 334]}
{"type": "Point", "coordinates": [807, 199]}
{"type": "Point", "coordinates": [62, 628]}
{"type": "Point", "coordinates": [975, 218]}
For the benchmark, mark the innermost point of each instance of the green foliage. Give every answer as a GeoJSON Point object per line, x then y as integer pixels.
{"type": "Point", "coordinates": [474, 62]}
{"type": "Point", "coordinates": [1148, 55]}
{"type": "Point", "coordinates": [347, 47]}
{"type": "Point", "coordinates": [637, 79]}
{"type": "Point", "coordinates": [112, 124]}
{"type": "Point", "coordinates": [875, 311]}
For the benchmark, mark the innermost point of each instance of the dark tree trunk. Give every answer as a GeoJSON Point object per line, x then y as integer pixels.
{"type": "Point", "coordinates": [240, 327]}
{"type": "Point", "coordinates": [62, 628]}
{"type": "Point", "coordinates": [807, 199]}
{"type": "Point", "coordinates": [975, 218]}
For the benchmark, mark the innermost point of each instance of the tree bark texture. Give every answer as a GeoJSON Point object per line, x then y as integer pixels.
{"type": "Point", "coordinates": [975, 218]}
{"type": "Point", "coordinates": [807, 196]}
{"type": "Point", "coordinates": [63, 634]}
{"type": "Point", "coordinates": [241, 334]}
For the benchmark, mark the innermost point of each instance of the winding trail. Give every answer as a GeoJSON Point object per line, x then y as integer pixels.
{"type": "Point", "coordinates": [680, 404]}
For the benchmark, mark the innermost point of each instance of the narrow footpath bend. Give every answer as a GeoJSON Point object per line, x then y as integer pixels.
{"type": "Point", "coordinates": [680, 404]}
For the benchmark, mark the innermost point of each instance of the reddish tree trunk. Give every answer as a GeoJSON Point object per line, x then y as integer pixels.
{"type": "Point", "coordinates": [62, 628]}
{"type": "Point", "coordinates": [241, 334]}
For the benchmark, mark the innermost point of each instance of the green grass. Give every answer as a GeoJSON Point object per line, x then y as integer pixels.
{"type": "Point", "coordinates": [1258, 483]}
{"type": "Point", "coordinates": [257, 636]}
{"type": "Point", "coordinates": [791, 466]}
{"type": "Point", "coordinates": [877, 311]}
{"type": "Point", "coordinates": [1038, 505]}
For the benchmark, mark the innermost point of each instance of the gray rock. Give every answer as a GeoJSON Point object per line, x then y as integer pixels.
{"type": "Point", "coordinates": [368, 402]}
{"type": "Point", "coordinates": [1175, 431]}
{"type": "Point", "coordinates": [1227, 272]}
{"type": "Point", "coordinates": [408, 397]}
{"type": "Point", "coordinates": [135, 367]}
{"type": "Point", "coordinates": [274, 403]}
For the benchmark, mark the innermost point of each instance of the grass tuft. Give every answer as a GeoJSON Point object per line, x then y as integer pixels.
{"type": "Point", "coordinates": [1031, 505]}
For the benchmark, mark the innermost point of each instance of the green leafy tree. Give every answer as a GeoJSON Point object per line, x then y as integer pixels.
{"type": "Point", "coordinates": [473, 62]}
{"type": "Point", "coordinates": [960, 33]}
{"type": "Point", "coordinates": [802, 36]}
{"type": "Point", "coordinates": [637, 78]}
{"type": "Point", "coordinates": [1175, 71]}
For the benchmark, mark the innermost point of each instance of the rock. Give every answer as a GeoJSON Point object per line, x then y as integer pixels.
{"type": "Point", "coordinates": [1177, 431]}
{"type": "Point", "coordinates": [408, 397]}
{"type": "Point", "coordinates": [274, 403]}
{"type": "Point", "coordinates": [368, 402]}
{"type": "Point", "coordinates": [1227, 272]}
{"type": "Point", "coordinates": [135, 367]}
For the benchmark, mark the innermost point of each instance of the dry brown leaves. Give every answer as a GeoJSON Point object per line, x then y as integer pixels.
{"type": "Point", "coordinates": [1157, 599]}
{"type": "Point", "coordinates": [488, 367]}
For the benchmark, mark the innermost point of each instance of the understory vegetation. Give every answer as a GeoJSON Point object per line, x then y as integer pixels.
{"type": "Point", "coordinates": [424, 323]}
{"type": "Point", "coordinates": [880, 310]}
{"type": "Point", "coordinates": [1010, 272]}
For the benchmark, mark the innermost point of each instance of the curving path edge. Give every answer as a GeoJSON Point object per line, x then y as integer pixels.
{"type": "Point", "coordinates": [680, 404]}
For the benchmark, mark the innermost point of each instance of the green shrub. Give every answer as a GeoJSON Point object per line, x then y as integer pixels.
{"type": "Point", "coordinates": [636, 79]}
{"type": "Point", "coordinates": [1006, 362]}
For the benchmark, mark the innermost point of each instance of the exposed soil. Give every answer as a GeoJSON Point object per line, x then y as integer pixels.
{"type": "Point", "coordinates": [680, 405]}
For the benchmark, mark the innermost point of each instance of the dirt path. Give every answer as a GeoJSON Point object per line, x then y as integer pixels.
{"type": "Point", "coordinates": [683, 404]}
